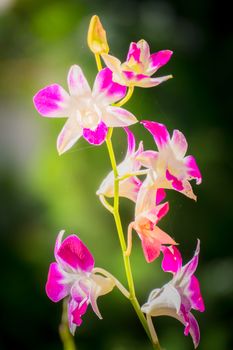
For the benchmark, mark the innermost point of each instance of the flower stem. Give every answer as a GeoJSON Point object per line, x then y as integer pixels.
{"type": "Point", "coordinates": [98, 61]}
{"type": "Point", "coordinates": [65, 335]}
{"type": "Point", "coordinates": [116, 214]}
{"type": "Point", "coordinates": [126, 98]}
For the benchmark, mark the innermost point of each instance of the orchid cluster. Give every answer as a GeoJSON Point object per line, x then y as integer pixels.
{"type": "Point", "coordinates": [143, 177]}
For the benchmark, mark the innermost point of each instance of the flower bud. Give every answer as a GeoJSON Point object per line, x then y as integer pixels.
{"type": "Point", "coordinates": [96, 37]}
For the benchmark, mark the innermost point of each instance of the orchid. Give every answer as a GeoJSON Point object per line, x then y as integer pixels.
{"type": "Point", "coordinates": [89, 112]}
{"type": "Point", "coordinates": [93, 114]}
{"type": "Point", "coordinates": [170, 169]}
{"type": "Point", "coordinates": [180, 295]}
{"type": "Point", "coordinates": [130, 184]}
{"type": "Point", "coordinates": [73, 275]}
{"type": "Point", "coordinates": [139, 65]}
{"type": "Point", "coordinates": [147, 215]}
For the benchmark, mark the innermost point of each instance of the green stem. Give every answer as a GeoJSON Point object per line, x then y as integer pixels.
{"type": "Point", "coordinates": [126, 98]}
{"type": "Point", "coordinates": [65, 335]}
{"type": "Point", "coordinates": [126, 258]}
{"type": "Point", "coordinates": [98, 61]}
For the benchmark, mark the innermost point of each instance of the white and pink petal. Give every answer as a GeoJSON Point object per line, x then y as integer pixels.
{"type": "Point", "coordinates": [105, 89]}
{"type": "Point", "coordinates": [56, 288]}
{"type": "Point", "coordinates": [69, 135]}
{"type": "Point", "coordinates": [52, 101]}
{"type": "Point", "coordinates": [192, 169]}
{"type": "Point", "coordinates": [74, 254]}
{"type": "Point", "coordinates": [77, 83]}
{"type": "Point", "coordinates": [158, 131]}
{"type": "Point", "coordinates": [118, 117]}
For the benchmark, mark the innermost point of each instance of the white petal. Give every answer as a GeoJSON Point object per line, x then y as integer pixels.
{"type": "Point", "coordinates": [118, 117]}
{"type": "Point", "coordinates": [77, 82]}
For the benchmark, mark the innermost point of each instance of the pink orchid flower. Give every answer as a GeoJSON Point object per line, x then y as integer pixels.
{"type": "Point", "coordinates": [89, 112]}
{"type": "Point", "coordinates": [73, 275]}
{"type": "Point", "coordinates": [147, 215]}
{"type": "Point", "coordinates": [139, 66]}
{"type": "Point", "coordinates": [129, 186]}
{"type": "Point", "coordinates": [170, 169]}
{"type": "Point", "coordinates": [180, 295]}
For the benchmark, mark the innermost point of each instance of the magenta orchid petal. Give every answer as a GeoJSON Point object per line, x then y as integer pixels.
{"type": "Point", "coordinates": [75, 254]}
{"type": "Point", "coordinates": [172, 260]}
{"type": "Point", "coordinates": [175, 182]}
{"type": "Point", "coordinates": [118, 117]}
{"type": "Point", "coordinates": [162, 210]}
{"type": "Point", "coordinates": [55, 288]}
{"type": "Point", "coordinates": [151, 248]}
{"type": "Point", "coordinates": [188, 270]}
{"type": "Point", "coordinates": [104, 86]}
{"type": "Point", "coordinates": [195, 295]}
{"type": "Point", "coordinates": [179, 144]}
{"type": "Point", "coordinates": [192, 169]}
{"type": "Point", "coordinates": [134, 52]}
{"type": "Point", "coordinates": [160, 195]}
{"type": "Point", "coordinates": [194, 330]}
{"type": "Point", "coordinates": [52, 101]}
{"type": "Point", "coordinates": [97, 136]}
{"type": "Point", "coordinates": [158, 131]}
{"type": "Point", "coordinates": [159, 59]}
{"type": "Point", "coordinates": [130, 142]}
{"type": "Point", "coordinates": [77, 82]}
{"type": "Point", "coordinates": [78, 312]}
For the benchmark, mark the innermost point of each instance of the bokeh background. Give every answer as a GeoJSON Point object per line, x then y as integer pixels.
{"type": "Point", "coordinates": [42, 193]}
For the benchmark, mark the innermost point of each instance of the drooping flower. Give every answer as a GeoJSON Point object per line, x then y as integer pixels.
{"type": "Point", "coordinates": [139, 65]}
{"type": "Point", "coordinates": [96, 37]}
{"type": "Point", "coordinates": [128, 187]}
{"type": "Point", "coordinates": [89, 112]}
{"type": "Point", "coordinates": [170, 169]}
{"type": "Point", "coordinates": [147, 215]}
{"type": "Point", "coordinates": [73, 275]}
{"type": "Point", "coordinates": [180, 295]}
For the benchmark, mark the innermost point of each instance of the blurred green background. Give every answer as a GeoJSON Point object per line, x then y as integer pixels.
{"type": "Point", "coordinates": [42, 193]}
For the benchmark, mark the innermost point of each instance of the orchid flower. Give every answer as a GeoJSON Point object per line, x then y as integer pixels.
{"type": "Point", "coordinates": [73, 275]}
{"type": "Point", "coordinates": [147, 215]}
{"type": "Point", "coordinates": [170, 169]}
{"type": "Point", "coordinates": [89, 112]}
{"type": "Point", "coordinates": [129, 186]}
{"type": "Point", "coordinates": [180, 295]}
{"type": "Point", "coordinates": [139, 65]}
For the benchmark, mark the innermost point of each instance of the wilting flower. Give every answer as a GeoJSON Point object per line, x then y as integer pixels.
{"type": "Point", "coordinates": [73, 275]}
{"type": "Point", "coordinates": [96, 37]}
{"type": "Point", "coordinates": [89, 112]}
{"type": "Point", "coordinates": [147, 215]}
{"type": "Point", "coordinates": [129, 186]}
{"type": "Point", "coordinates": [139, 66]}
{"type": "Point", "coordinates": [180, 295]}
{"type": "Point", "coordinates": [170, 169]}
